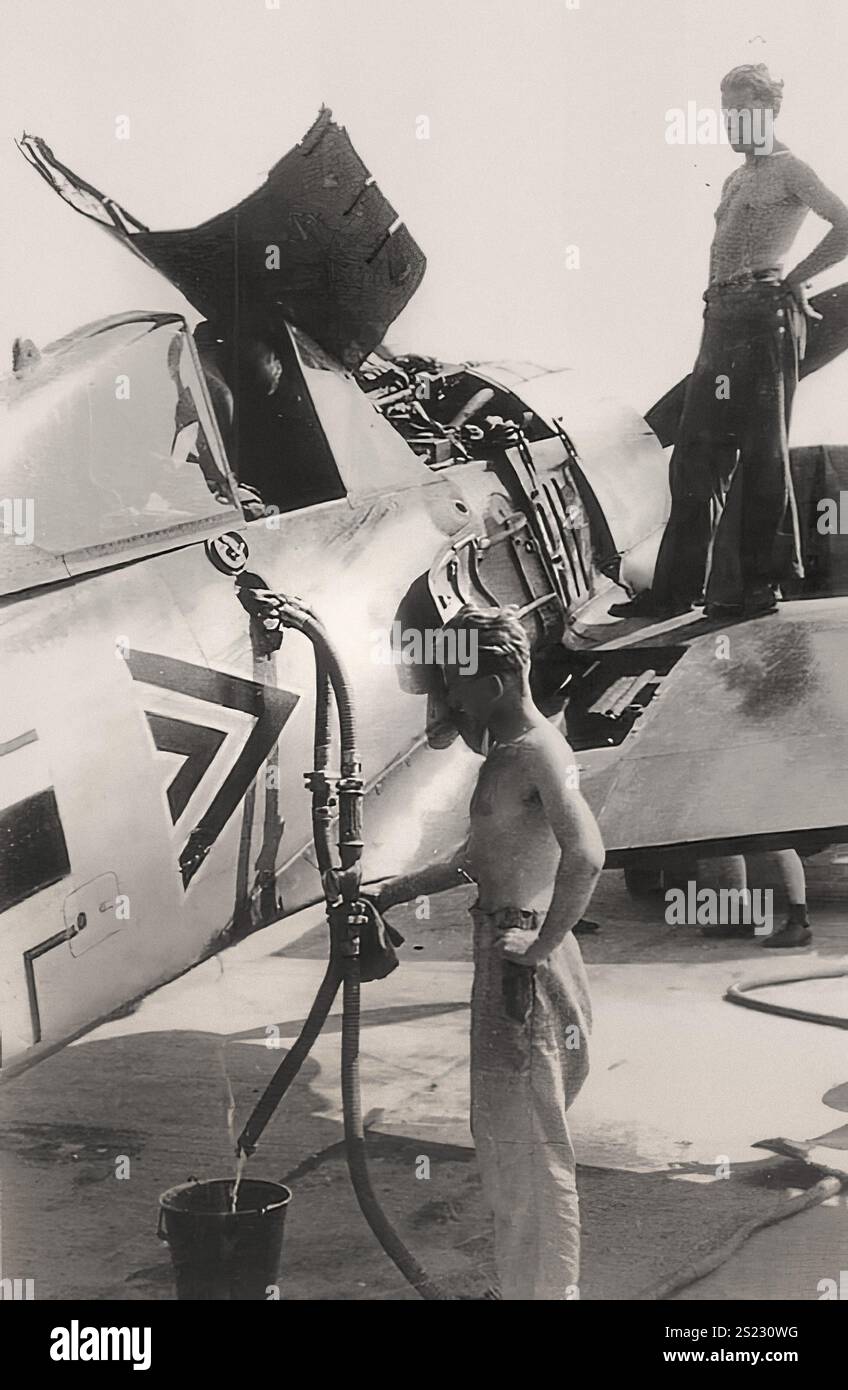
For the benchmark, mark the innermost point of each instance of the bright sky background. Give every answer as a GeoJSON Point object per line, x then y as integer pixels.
{"type": "Point", "coordinates": [547, 129]}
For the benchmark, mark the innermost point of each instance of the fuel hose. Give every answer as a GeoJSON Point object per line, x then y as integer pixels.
{"type": "Point", "coordinates": [742, 993]}
{"type": "Point", "coordinates": [341, 886]}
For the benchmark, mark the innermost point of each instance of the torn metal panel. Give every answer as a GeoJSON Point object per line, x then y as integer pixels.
{"type": "Point", "coordinates": [318, 246]}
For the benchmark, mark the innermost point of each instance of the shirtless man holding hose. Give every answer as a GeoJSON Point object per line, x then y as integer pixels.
{"type": "Point", "coordinates": [535, 853]}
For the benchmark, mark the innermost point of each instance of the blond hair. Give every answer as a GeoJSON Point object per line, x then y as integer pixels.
{"type": "Point", "coordinates": [753, 80]}
{"type": "Point", "coordinates": [496, 635]}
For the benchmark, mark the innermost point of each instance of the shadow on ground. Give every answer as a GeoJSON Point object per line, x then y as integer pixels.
{"type": "Point", "coordinates": [82, 1232]}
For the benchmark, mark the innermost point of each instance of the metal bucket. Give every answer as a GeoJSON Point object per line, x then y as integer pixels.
{"type": "Point", "coordinates": [218, 1253]}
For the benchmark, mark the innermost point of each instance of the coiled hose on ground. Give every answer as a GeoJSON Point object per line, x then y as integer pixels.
{"type": "Point", "coordinates": [742, 994]}
{"type": "Point", "coordinates": [821, 1191]}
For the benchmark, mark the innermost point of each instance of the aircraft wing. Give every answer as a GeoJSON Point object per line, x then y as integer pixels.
{"type": "Point", "coordinates": [826, 339]}
{"type": "Point", "coordinates": [745, 744]}
{"type": "Point", "coordinates": [318, 245]}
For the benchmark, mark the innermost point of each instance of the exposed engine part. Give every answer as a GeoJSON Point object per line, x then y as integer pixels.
{"type": "Point", "coordinates": [438, 407]}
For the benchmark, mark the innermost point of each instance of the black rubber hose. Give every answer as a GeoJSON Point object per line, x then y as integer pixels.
{"type": "Point", "coordinates": [320, 762]}
{"type": "Point", "coordinates": [329, 987]}
{"type": "Point", "coordinates": [321, 740]}
{"type": "Point", "coordinates": [293, 1060]}
{"type": "Point", "coordinates": [330, 675]}
{"type": "Point", "coordinates": [820, 1192]}
{"type": "Point", "coordinates": [328, 666]}
{"type": "Point", "coordinates": [329, 661]}
{"type": "Point", "coordinates": [740, 994]}
{"type": "Point", "coordinates": [357, 1157]}
{"type": "Point", "coordinates": [350, 801]}
{"type": "Point", "coordinates": [682, 1278]}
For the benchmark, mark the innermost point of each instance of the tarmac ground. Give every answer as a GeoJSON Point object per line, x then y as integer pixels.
{"type": "Point", "coordinates": [682, 1085]}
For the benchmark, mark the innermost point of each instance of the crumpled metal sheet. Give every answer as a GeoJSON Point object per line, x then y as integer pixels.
{"type": "Point", "coordinates": [318, 246]}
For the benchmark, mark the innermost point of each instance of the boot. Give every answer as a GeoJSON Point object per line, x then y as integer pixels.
{"type": "Point", "coordinates": [794, 932]}
{"type": "Point", "coordinates": [761, 599]}
{"type": "Point", "coordinates": [644, 605]}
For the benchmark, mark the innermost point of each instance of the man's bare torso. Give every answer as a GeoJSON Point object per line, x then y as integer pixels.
{"type": "Point", "coordinates": [758, 217]}
{"type": "Point", "coordinates": [512, 852]}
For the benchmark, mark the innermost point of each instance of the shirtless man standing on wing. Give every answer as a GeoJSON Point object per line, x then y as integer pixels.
{"type": "Point", "coordinates": [733, 529]}
{"type": "Point", "coordinates": [535, 853]}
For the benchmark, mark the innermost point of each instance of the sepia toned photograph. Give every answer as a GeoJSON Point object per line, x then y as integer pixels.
{"type": "Point", "coordinates": [424, 663]}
